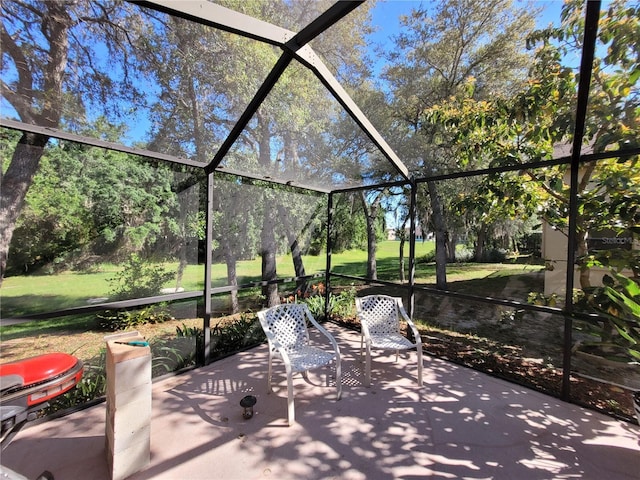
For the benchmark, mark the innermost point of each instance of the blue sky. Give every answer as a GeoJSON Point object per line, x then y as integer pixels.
{"type": "Point", "coordinates": [387, 12]}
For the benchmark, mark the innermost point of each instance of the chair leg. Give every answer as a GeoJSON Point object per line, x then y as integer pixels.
{"type": "Point", "coordinates": [419, 351]}
{"type": "Point", "coordinates": [269, 369]}
{"type": "Point", "coordinates": [291, 414]}
{"type": "Point", "coordinates": [367, 367]}
{"type": "Point", "coordinates": [339, 377]}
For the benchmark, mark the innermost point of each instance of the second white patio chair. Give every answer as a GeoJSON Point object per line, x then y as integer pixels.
{"type": "Point", "coordinates": [286, 328]}
{"type": "Point", "coordinates": [380, 317]}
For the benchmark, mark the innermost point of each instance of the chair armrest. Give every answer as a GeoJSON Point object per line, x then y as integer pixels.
{"type": "Point", "coordinates": [322, 330]}
{"type": "Point", "coordinates": [411, 325]}
{"type": "Point", "coordinates": [364, 327]}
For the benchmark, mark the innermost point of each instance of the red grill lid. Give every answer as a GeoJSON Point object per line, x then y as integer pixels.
{"type": "Point", "coordinates": [38, 369]}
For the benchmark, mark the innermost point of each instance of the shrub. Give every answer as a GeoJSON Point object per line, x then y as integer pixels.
{"type": "Point", "coordinates": [340, 305]}
{"type": "Point", "coordinates": [429, 257]}
{"type": "Point", "coordinates": [122, 319]}
{"type": "Point", "coordinates": [537, 298]}
{"type": "Point", "coordinates": [195, 354]}
{"type": "Point", "coordinates": [138, 279]}
{"type": "Point", "coordinates": [464, 254]}
{"type": "Point", "coordinates": [494, 255]}
{"type": "Point", "coordinates": [232, 337]}
{"type": "Point", "coordinates": [619, 301]}
{"type": "Point", "coordinates": [343, 305]}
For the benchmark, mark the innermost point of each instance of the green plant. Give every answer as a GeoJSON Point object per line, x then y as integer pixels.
{"type": "Point", "coordinates": [316, 305]}
{"type": "Point", "coordinates": [343, 304]}
{"type": "Point", "coordinates": [122, 319]}
{"type": "Point", "coordinates": [172, 355]}
{"type": "Point", "coordinates": [618, 334]}
{"type": "Point", "coordinates": [197, 334]}
{"type": "Point", "coordinates": [232, 337]}
{"type": "Point", "coordinates": [340, 305]}
{"type": "Point", "coordinates": [138, 279]}
{"type": "Point", "coordinates": [537, 298]}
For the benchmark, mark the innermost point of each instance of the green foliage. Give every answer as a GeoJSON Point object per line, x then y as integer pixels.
{"type": "Point", "coordinates": [619, 301]}
{"type": "Point", "coordinates": [86, 202]}
{"type": "Point", "coordinates": [235, 336]}
{"type": "Point", "coordinates": [615, 259]}
{"type": "Point", "coordinates": [196, 354]}
{"type": "Point", "coordinates": [138, 279]}
{"type": "Point", "coordinates": [55, 221]}
{"type": "Point", "coordinates": [228, 337]}
{"type": "Point", "coordinates": [463, 254]}
{"type": "Point", "coordinates": [429, 257]}
{"type": "Point", "coordinates": [174, 354]}
{"type": "Point", "coordinates": [125, 319]}
{"type": "Point", "coordinates": [341, 305]}
{"type": "Point", "coordinates": [349, 228]}
{"type": "Point", "coordinates": [537, 298]}
{"type": "Point", "coordinates": [527, 124]}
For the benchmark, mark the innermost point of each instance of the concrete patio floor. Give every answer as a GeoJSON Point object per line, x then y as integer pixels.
{"type": "Point", "coordinates": [461, 424]}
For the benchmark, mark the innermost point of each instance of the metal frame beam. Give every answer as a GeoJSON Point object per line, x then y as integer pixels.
{"type": "Point", "coordinates": [592, 17]}
{"type": "Point", "coordinates": [222, 18]}
{"type": "Point", "coordinates": [294, 45]}
{"type": "Point", "coordinates": [96, 142]}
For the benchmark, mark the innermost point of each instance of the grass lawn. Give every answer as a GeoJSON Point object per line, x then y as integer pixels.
{"type": "Point", "coordinates": [26, 294]}
{"type": "Point", "coordinates": [22, 295]}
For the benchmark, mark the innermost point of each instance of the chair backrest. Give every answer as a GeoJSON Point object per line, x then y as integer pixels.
{"type": "Point", "coordinates": [286, 324]}
{"type": "Point", "coordinates": [380, 313]}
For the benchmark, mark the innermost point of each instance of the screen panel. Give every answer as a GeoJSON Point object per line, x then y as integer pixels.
{"type": "Point", "coordinates": [101, 226]}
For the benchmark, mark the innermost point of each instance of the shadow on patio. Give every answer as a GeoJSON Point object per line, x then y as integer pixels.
{"type": "Point", "coordinates": [461, 424]}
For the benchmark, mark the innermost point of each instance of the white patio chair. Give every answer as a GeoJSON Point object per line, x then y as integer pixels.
{"type": "Point", "coordinates": [380, 317]}
{"type": "Point", "coordinates": [286, 328]}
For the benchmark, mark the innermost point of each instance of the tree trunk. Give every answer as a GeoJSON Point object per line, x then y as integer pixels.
{"type": "Point", "coordinates": [291, 158]}
{"type": "Point", "coordinates": [582, 249]}
{"type": "Point", "coordinates": [439, 226]}
{"type": "Point", "coordinates": [232, 276]}
{"type": "Point", "coordinates": [371, 213]}
{"type": "Point", "coordinates": [185, 204]}
{"type": "Point", "coordinates": [267, 236]}
{"type": "Point", "coordinates": [452, 241]}
{"type": "Point", "coordinates": [294, 245]}
{"type": "Point", "coordinates": [268, 253]}
{"type": "Point", "coordinates": [480, 242]}
{"type": "Point", "coordinates": [15, 184]}
{"type": "Point", "coordinates": [32, 108]}
{"type": "Point", "coordinates": [403, 239]}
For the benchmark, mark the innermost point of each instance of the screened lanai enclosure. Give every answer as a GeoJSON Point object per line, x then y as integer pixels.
{"type": "Point", "coordinates": [173, 167]}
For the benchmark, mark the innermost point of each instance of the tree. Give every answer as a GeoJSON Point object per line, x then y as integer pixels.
{"type": "Point", "coordinates": [187, 61]}
{"type": "Point", "coordinates": [525, 127]}
{"type": "Point", "coordinates": [49, 75]}
{"type": "Point", "coordinates": [371, 206]}
{"type": "Point", "coordinates": [349, 229]}
{"type": "Point", "coordinates": [612, 122]}
{"type": "Point", "coordinates": [87, 202]}
{"type": "Point", "coordinates": [435, 56]}
{"type": "Point", "coordinates": [499, 132]}
{"type": "Point", "coordinates": [288, 129]}
{"type": "Point", "coordinates": [54, 220]}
